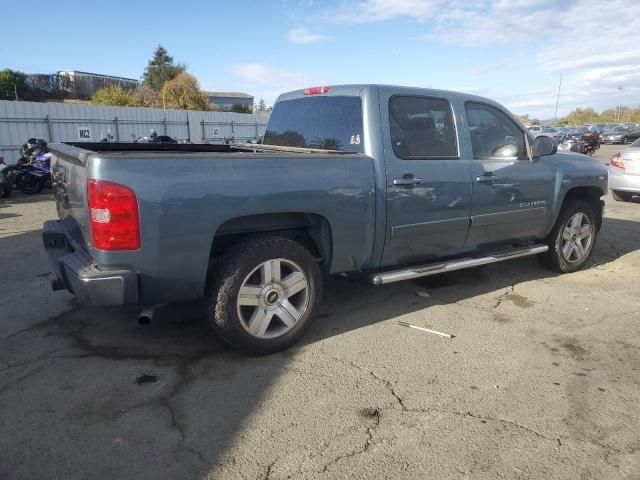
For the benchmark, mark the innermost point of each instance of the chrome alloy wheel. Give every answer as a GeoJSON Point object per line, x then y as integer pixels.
{"type": "Point", "coordinates": [273, 298]}
{"type": "Point", "coordinates": [576, 238]}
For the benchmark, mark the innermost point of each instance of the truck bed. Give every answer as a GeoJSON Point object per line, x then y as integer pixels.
{"type": "Point", "coordinates": [188, 194]}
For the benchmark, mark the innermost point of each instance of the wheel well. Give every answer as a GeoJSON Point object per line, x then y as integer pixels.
{"type": "Point", "coordinates": [311, 230]}
{"type": "Point", "coordinates": [590, 195]}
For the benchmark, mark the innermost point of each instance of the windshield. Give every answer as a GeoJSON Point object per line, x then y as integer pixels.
{"type": "Point", "coordinates": [326, 123]}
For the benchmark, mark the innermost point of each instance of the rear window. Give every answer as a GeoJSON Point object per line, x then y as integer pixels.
{"type": "Point", "coordinates": [326, 123]}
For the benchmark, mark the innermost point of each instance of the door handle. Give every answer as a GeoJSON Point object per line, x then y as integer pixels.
{"type": "Point", "coordinates": [486, 178]}
{"type": "Point", "coordinates": [407, 181]}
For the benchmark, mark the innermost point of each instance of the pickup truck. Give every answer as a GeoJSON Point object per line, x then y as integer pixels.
{"type": "Point", "coordinates": [390, 183]}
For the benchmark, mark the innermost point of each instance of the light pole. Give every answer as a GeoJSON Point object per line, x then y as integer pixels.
{"type": "Point", "coordinates": [619, 116]}
{"type": "Point", "coordinates": [558, 98]}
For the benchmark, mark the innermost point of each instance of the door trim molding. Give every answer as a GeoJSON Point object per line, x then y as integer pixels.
{"type": "Point", "coordinates": [523, 215]}
{"type": "Point", "coordinates": [429, 227]}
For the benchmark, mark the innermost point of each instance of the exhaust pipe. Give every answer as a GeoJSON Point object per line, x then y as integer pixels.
{"type": "Point", "coordinates": [146, 315]}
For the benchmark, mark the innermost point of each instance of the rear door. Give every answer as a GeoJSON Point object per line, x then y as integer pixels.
{"type": "Point", "coordinates": [428, 189]}
{"type": "Point", "coordinates": [512, 194]}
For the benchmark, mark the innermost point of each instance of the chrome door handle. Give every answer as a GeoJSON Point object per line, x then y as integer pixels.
{"type": "Point", "coordinates": [486, 178]}
{"type": "Point", "coordinates": [407, 181]}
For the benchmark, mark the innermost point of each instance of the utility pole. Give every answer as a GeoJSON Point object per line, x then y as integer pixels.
{"type": "Point", "coordinates": [15, 91]}
{"type": "Point", "coordinates": [558, 98]}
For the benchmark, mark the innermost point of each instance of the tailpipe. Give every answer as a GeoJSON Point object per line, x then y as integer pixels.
{"type": "Point", "coordinates": [147, 314]}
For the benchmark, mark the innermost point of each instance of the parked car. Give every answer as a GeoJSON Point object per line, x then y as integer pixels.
{"type": "Point", "coordinates": [624, 173]}
{"type": "Point", "coordinates": [597, 127]}
{"type": "Point", "coordinates": [622, 135]}
{"type": "Point", "coordinates": [549, 132]}
{"type": "Point", "coordinates": [394, 183]}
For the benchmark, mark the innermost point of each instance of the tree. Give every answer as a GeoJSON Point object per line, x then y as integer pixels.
{"type": "Point", "coordinates": [184, 92]}
{"type": "Point", "coordinates": [261, 106]}
{"type": "Point", "coordinates": [13, 83]}
{"type": "Point", "coordinates": [146, 96]}
{"type": "Point", "coordinates": [161, 69]}
{"type": "Point", "coordinates": [114, 95]}
{"type": "Point", "coordinates": [240, 108]}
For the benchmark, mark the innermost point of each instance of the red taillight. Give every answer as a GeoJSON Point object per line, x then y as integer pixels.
{"type": "Point", "coordinates": [616, 162]}
{"type": "Point", "coordinates": [316, 90]}
{"type": "Point", "coordinates": [113, 211]}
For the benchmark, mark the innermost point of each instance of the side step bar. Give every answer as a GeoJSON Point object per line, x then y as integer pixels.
{"type": "Point", "coordinates": [451, 265]}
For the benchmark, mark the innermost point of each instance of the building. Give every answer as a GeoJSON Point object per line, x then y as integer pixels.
{"type": "Point", "coordinates": [83, 85]}
{"type": "Point", "coordinates": [225, 100]}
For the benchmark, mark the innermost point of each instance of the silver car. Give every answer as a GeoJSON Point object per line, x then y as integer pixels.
{"type": "Point", "coordinates": [624, 173]}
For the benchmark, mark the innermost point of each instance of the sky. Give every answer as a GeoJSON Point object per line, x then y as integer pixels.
{"type": "Point", "coordinates": [513, 51]}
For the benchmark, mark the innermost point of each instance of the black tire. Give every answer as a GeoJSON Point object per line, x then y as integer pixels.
{"type": "Point", "coordinates": [5, 189]}
{"type": "Point", "coordinates": [621, 196]}
{"type": "Point", "coordinates": [229, 273]}
{"type": "Point", "coordinates": [29, 184]}
{"type": "Point", "coordinates": [554, 258]}
{"type": "Point", "coordinates": [625, 140]}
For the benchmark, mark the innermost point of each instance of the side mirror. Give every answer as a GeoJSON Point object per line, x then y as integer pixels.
{"type": "Point", "coordinates": [544, 145]}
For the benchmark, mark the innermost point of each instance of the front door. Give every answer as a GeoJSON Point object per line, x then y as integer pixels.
{"type": "Point", "coordinates": [512, 193]}
{"type": "Point", "coordinates": [428, 189]}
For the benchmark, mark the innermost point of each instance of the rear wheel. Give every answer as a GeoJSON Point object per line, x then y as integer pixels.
{"type": "Point", "coordinates": [572, 239]}
{"type": "Point", "coordinates": [621, 196]}
{"type": "Point", "coordinates": [263, 294]}
{"type": "Point", "coordinates": [29, 184]}
{"type": "Point", "coordinates": [625, 140]}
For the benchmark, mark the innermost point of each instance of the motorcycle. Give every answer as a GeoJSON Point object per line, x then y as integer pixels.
{"type": "Point", "coordinates": [33, 169]}
{"type": "Point", "coordinates": [591, 143]}
{"type": "Point", "coordinates": [586, 144]}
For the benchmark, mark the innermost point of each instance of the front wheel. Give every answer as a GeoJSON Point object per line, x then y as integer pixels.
{"type": "Point", "coordinates": [263, 293]}
{"type": "Point", "coordinates": [572, 239]}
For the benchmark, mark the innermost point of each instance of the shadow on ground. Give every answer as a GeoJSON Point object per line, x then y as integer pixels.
{"type": "Point", "coordinates": [172, 386]}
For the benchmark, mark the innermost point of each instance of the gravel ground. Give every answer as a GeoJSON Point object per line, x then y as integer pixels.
{"type": "Point", "coordinates": [541, 380]}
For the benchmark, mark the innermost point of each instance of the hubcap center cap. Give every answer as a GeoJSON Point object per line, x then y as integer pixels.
{"type": "Point", "coordinates": [271, 297]}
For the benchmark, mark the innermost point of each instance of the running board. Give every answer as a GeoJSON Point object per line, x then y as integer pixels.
{"type": "Point", "coordinates": [451, 265]}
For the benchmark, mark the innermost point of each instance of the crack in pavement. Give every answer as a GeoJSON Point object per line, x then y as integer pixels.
{"type": "Point", "coordinates": [267, 473]}
{"type": "Point", "coordinates": [20, 379]}
{"type": "Point", "coordinates": [364, 448]}
{"type": "Point", "coordinates": [503, 295]}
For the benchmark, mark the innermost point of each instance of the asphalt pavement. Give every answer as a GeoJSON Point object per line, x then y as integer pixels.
{"type": "Point", "coordinates": [542, 379]}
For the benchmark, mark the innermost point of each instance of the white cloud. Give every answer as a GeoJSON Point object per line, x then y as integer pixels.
{"type": "Point", "coordinates": [380, 10]}
{"type": "Point", "coordinates": [302, 36]}
{"type": "Point", "coordinates": [590, 42]}
{"type": "Point", "coordinates": [268, 81]}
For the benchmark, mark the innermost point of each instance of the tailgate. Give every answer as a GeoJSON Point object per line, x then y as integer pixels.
{"type": "Point", "coordinates": [69, 181]}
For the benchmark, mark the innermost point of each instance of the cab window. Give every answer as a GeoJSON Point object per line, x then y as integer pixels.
{"type": "Point", "coordinates": [493, 134]}
{"type": "Point", "coordinates": [422, 128]}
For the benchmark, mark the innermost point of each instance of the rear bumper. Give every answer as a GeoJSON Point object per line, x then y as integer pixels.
{"type": "Point", "coordinates": [623, 182]}
{"type": "Point", "coordinates": [76, 271]}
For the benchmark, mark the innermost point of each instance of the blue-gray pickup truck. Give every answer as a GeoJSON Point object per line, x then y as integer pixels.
{"type": "Point", "coordinates": [391, 182]}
